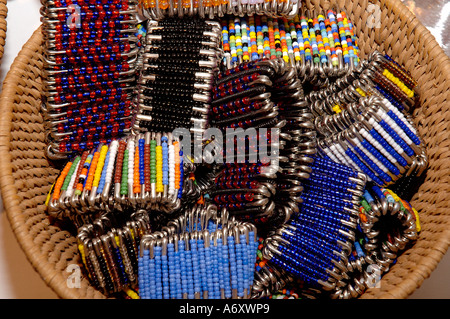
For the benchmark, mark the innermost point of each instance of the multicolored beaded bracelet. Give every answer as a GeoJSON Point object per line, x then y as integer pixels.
{"type": "Point", "coordinates": [145, 171]}
{"type": "Point", "coordinates": [203, 254]}
{"type": "Point", "coordinates": [89, 62]}
{"type": "Point", "coordinates": [314, 44]}
{"type": "Point", "coordinates": [109, 252]}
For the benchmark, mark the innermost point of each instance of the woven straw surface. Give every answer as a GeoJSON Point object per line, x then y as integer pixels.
{"type": "Point", "coordinates": [26, 175]}
{"type": "Point", "coordinates": [3, 14]}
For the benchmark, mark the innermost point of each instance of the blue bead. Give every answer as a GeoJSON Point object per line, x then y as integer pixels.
{"type": "Point", "coordinates": [373, 166]}
{"type": "Point", "coordinates": [408, 150]}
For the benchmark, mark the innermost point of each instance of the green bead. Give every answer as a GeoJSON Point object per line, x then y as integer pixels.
{"type": "Point", "coordinates": [70, 173]}
{"type": "Point", "coordinates": [366, 205]}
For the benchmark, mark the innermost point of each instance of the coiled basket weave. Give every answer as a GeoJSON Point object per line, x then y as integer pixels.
{"type": "Point", "coordinates": [26, 175]}
{"type": "Point", "coordinates": [3, 14]}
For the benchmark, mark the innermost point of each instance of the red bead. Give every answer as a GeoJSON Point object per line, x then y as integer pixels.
{"type": "Point", "coordinates": [62, 147]}
{"type": "Point", "coordinates": [98, 24]}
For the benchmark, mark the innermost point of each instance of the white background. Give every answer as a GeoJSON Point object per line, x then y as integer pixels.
{"type": "Point", "coordinates": [17, 277]}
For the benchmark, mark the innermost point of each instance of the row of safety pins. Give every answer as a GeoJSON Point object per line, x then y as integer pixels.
{"type": "Point", "coordinates": [378, 73]}
{"type": "Point", "coordinates": [203, 254]}
{"type": "Point", "coordinates": [264, 94]}
{"type": "Point", "coordinates": [160, 9]}
{"type": "Point", "coordinates": [90, 62]}
{"type": "Point", "coordinates": [109, 248]}
{"type": "Point", "coordinates": [180, 61]}
{"type": "Point", "coordinates": [145, 171]}
{"type": "Point", "coordinates": [339, 245]}
{"type": "Point", "coordinates": [320, 46]}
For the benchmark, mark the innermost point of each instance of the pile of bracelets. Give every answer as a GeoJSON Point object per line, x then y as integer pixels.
{"type": "Point", "coordinates": [158, 10]}
{"type": "Point", "coordinates": [145, 171]}
{"type": "Point", "coordinates": [180, 61]}
{"type": "Point", "coordinates": [203, 254]}
{"type": "Point", "coordinates": [305, 156]}
{"type": "Point", "coordinates": [382, 226]}
{"type": "Point", "coordinates": [109, 251]}
{"type": "Point", "coordinates": [89, 70]}
{"type": "Point", "coordinates": [320, 47]}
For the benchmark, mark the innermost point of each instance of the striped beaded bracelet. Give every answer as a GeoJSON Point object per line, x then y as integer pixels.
{"type": "Point", "coordinates": [109, 252]}
{"type": "Point", "coordinates": [377, 139]}
{"type": "Point", "coordinates": [378, 74]}
{"type": "Point", "coordinates": [145, 171]}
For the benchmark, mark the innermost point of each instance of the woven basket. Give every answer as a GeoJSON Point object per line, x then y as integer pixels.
{"type": "Point", "coordinates": [3, 14]}
{"type": "Point", "coordinates": [26, 175]}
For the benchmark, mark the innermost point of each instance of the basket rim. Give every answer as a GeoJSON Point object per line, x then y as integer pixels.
{"type": "Point", "coordinates": [9, 190]}
{"type": "Point", "coordinates": [3, 25]}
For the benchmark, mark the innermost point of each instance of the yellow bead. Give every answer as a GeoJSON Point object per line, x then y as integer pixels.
{"type": "Point", "coordinates": [337, 109]}
{"type": "Point", "coordinates": [418, 227]}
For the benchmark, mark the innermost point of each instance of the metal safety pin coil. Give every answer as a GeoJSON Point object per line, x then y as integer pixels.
{"type": "Point", "coordinates": [388, 225]}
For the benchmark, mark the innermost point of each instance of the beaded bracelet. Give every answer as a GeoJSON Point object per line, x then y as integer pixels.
{"type": "Point", "coordinates": [387, 224]}
{"type": "Point", "coordinates": [378, 74]}
{"type": "Point", "coordinates": [145, 171]}
{"type": "Point", "coordinates": [203, 254]}
{"type": "Point", "coordinates": [158, 10]}
{"type": "Point", "coordinates": [313, 44]}
{"type": "Point", "coordinates": [314, 244]}
{"type": "Point", "coordinates": [378, 140]}
{"type": "Point", "coordinates": [179, 63]}
{"type": "Point", "coordinates": [263, 94]}
{"type": "Point", "coordinates": [109, 252]}
{"type": "Point", "coordinates": [89, 62]}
